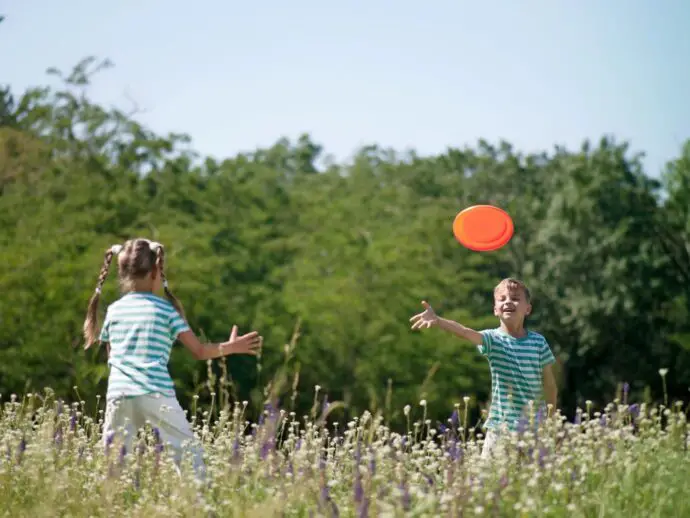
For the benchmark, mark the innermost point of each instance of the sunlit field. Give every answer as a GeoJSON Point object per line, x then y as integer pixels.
{"type": "Point", "coordinates": [629, 460]}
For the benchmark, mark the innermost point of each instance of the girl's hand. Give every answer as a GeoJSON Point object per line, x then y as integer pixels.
{"type": "Point", "coordinates": [426, 319]}
{"type": "Point", "coordinates": [246, 344]}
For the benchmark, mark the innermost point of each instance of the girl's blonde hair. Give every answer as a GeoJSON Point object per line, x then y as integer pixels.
{"type": "Point", "coordinates": [136, 259]}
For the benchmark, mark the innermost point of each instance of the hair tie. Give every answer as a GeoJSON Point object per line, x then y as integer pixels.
{"type": "Point", "coordinates": [154, 246]}
{"type": "Point", "coordinates": [116, 249]}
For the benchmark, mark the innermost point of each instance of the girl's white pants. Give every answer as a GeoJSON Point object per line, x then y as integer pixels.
{"type": "Point", "coordinates": [164, 413]}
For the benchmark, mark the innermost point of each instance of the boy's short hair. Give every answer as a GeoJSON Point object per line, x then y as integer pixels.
{"type": "Point", "coordinates": [514, 284]}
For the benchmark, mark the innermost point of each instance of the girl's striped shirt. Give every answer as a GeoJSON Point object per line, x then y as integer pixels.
{"type": "Point", "coordinates": [516, 374]}
{"type": "Point", "coordinates": [141, 329]}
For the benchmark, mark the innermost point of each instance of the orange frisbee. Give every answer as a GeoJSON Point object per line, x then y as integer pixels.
{"type": "Point", "coordinates": [483, 228]}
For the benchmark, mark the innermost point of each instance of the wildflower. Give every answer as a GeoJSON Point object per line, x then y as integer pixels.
{"type": "Point", "coordinates": [358, 489]}
{"type": "Point", "coordinates": [455, 418]}
{"type": "Point", "coordinates": [372, 465]}
{"type": "Point", "coordinates": [109, 440]}
{"type": "Point", "coordinates": [21, 449]}
{"type": "Point", "coordinates": [364, 508]}
{"type": "Point", "coordinates": [405, 497]}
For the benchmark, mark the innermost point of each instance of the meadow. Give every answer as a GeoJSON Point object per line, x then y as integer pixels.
{"type": "Point", "coordinates": [629, 459]}
{"type": "Point", "coordinates": [276, 239]}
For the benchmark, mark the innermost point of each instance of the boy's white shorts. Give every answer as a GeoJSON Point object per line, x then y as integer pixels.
{"type": "Point", "coordinates": [129, 414]}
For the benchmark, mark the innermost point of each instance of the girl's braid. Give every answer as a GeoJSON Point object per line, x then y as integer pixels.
{"type": "Point", "coordinates": [91, 323]}
{"type": "Point", "coordinates": [160, 263]}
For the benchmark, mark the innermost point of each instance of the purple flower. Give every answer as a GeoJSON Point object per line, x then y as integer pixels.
{"type": "Point", "coordinates": [634, 410]}
{"type": "Point", "coordinates": [540, 415]}
{"type": "Point", "coordinates": [326, 501]}
{"type": "Point", "coordinates": [455, 418]}
{"type": "Point", "coordinates": [364, 508]}
{"type": "Point", "coordinates": [406, 499]}
{"type": "Point", "coordinates": [73, 421]}
{"type": "Point", "coordinates": [57, 438]}
{"type": "Point", "coordinates": [453, 450]}
{"type": "Point", "coordinates": [266, 447]}
{"type": "Point", "coordinates": [372, 466]}
{"type": "Point", "coordinates": [236, 448]}
{"type": "Point", "coordinates": [522, 425]}
{"type": "Point", "coordinates": [358, 489]}
{"type": "Point", "coordinates": [123, 453]}
{"type": "Point", "coordinates": [626, 389]}
{"type": "Point", "coordinates": [542, 455]}
{"type": "Point", "coordinates": [109, 440]}
{"type": "Point", "coordinates": [21, 449]}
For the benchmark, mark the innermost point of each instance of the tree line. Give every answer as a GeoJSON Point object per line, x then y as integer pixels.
{"type": "Point", "coordinates": [330, 261]}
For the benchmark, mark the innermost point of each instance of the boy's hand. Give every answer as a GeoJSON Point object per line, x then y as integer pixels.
{"type": "Point", "coordinates": [246, 344]}
{"type": "Point", "coordinates": [425, 319]}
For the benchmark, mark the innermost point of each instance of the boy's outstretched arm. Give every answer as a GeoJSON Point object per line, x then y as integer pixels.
{"type": "Point", "coordinates": [550, 388]}
{"type": "Point", "coordinates": [428, 318]}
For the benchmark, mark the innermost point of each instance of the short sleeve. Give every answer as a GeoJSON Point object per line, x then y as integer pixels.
{"type": "Point", "coordinates": [177, 325]}
{"type": "Point", "coordinates": [486, 346]}
{"type": "Point", "coordinates": [546, 357]}
{"type": "Point", "coordinates": [105, 329]}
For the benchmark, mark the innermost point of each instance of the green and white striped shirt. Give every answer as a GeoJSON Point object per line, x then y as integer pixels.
{"type": "Point", "coordinates": [516, 374]}
{"type": "Point", "coordinates": [141, 329]}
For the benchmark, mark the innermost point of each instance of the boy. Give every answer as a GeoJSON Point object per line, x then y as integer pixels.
{"type": "Point", "coordinates": [520, 360]}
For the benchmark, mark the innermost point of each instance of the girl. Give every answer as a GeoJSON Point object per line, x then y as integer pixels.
{"type": "Point", "coordinates": [139, 331]}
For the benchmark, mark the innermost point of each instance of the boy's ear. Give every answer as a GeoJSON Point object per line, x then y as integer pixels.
{"type": "Point", "coordinates": [528, 309]}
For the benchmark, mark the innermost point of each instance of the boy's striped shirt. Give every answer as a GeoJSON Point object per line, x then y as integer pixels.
{"type": "Point", "coordinates": [516, 372]}
{"type": "Point", "coordinates": [141, 329]}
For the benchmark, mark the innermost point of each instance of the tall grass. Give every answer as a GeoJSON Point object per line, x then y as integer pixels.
{"type": "Point", "coordinates": [630, 460]}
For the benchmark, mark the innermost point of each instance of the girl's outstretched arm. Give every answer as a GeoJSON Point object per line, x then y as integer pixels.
{"type": "Point", "coordinates": [245, 344]}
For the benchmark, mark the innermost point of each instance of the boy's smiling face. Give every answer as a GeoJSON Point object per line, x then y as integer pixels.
{"type": "Point", "coordinates": [511, 304]}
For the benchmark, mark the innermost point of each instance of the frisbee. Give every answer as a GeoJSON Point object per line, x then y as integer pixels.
{"type": "Point", "coordinates": [483, 228]}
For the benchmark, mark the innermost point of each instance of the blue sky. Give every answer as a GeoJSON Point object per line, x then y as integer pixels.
{"type": "Point", "coordinates": [422, 75]}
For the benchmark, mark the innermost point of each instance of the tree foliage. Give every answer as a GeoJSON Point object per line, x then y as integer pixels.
{"type": "Point", "coordinates": [342, 254]}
